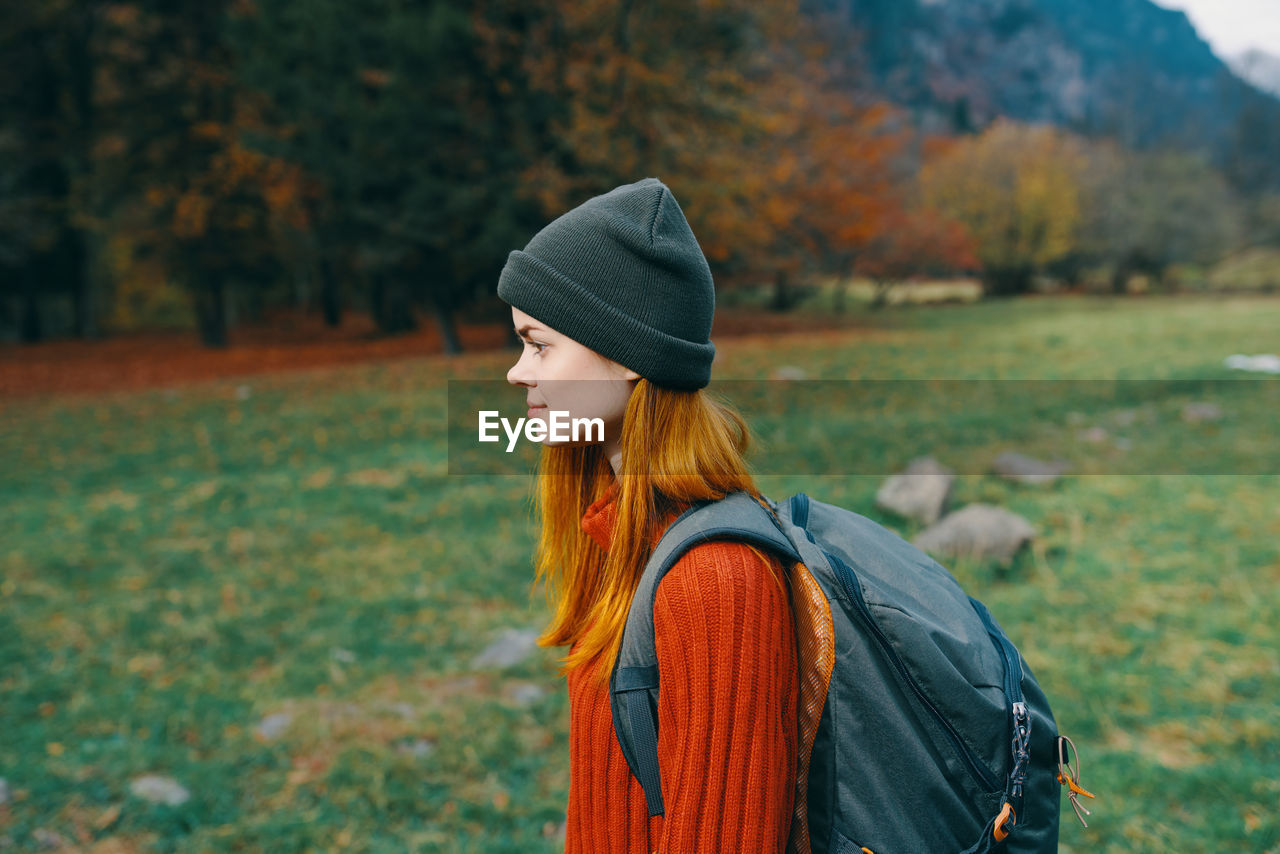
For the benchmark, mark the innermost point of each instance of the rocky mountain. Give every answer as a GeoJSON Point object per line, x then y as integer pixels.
{"type": "Point", "coordinates": [1260, 68]}
{"type": "Point", "coordinates": [1123, 68]}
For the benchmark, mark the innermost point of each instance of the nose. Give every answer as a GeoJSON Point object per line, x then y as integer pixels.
{"type": "Point", "coordinates": [519, 373]}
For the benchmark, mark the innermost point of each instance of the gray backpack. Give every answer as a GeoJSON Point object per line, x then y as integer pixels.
{"type": "Point", "coordinates": [928, 734]}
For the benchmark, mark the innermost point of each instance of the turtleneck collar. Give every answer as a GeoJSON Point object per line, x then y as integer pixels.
{"type": "Point", "coordinates": [599, 519]}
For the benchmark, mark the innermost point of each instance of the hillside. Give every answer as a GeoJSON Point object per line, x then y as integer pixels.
{"type": "Point", "coordinates": [1123, 68]}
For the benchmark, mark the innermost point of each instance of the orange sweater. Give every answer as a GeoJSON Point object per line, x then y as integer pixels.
{"type": "Point", "coordinates": [726, 716]}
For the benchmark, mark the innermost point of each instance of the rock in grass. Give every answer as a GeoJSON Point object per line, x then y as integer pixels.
{"type": "Point", "coordinates": [48, 840]}
{"type": "Point", "coordinates": [273, 726]}
{"type": "Point", "coordinates": [512, 647]}
{"type": "Point", "coordinates": [404, 710]}
{"type": "Point", "coordinates": [418, 748]}
{"type": "Point", "coordinates": [1095, 435]}
{"type": "Point", "coordinates": [1195, 413]}
{"type": "Point", "coordinates": [790, 373]}
{"type": "Point", "coordinates": [525, 693]}
{"type": "Point", "coordinates": [920, 492]}
{"type": "Point", "coordinates": [555, 831]}
{"type": "Point", "coordinates": [1124, 417]}
{"type": "Point", "coordinates": [1023, 469]}
{"type": "Point", "coordinates": [1268, 363]}
{"type": "Point", "coordinates": [981, 531]}
{"type": "Point", "coordinates": [160, 790]}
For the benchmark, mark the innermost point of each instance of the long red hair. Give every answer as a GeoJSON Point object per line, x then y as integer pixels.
{"type": "Point", "coordinates": [678, 447]}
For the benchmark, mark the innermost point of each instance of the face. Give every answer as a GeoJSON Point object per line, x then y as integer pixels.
{"type": "Point", "coordinates": [560, 374]}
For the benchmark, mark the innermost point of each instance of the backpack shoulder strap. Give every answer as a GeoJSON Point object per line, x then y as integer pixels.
{"type": "Point", "coordinates": [633, 684]}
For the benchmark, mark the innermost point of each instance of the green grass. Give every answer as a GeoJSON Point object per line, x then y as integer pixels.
{"type": "Point", "coordinates": [176, 566]}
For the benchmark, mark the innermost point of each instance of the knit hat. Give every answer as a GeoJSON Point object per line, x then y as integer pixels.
{"type": "Point", "coordinates": [622, 274]}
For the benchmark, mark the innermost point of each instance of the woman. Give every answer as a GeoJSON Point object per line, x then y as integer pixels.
{"type": "Point", "coordinates": [614, 303]}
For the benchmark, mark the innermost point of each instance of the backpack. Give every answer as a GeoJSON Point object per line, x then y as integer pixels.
{"type": "Point", "coordinates": [928, 733]}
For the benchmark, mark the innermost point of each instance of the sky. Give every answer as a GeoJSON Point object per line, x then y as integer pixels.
{"type": "Point", "coordinates": [1233, 26]}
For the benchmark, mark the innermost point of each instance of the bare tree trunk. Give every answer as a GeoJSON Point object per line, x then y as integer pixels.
{"type": "Point", "coordinates": [448, 330]}
{"type": "Point", "coordinates": [1162, 281]}
{"type": "Point", "coordinates": [1006, 281]}
{"type": "Point", "coordinates": [880, 295]}
{"type": "Point", "coordinates": [32, 330]}
{"type": "Point", "coordinates": [83, 293]}
{"type": "Point", "coordinates": [211, 311]}
{"type": "Point", "coordinates": [1120, 278]}
{"type": "Point", "coordinates": [330, 298]}
{"type": "Point", "coordinates": [391, 305]}
{"type": "Point", "coordinates": [782, 298]}
{"type": "Point", "coordinates": [842, 287]}
{"type": "Point", "coordinates": [82, 281]}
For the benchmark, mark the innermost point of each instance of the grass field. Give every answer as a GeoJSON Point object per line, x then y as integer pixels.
{"type": "Point", "coordinates": [271, 591]}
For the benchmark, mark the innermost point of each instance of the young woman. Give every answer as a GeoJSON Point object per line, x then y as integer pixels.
{"type": "Point", "coordinates": [614, 303]}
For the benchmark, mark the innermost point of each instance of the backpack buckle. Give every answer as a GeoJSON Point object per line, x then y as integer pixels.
{"type": "Point", "coordinates": [1007, 816]}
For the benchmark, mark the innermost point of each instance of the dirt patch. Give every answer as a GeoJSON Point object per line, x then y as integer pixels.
{"type": "Point", "coordinates": [287, 343]}
{"type": "Point", "coordinates": [151, 360]}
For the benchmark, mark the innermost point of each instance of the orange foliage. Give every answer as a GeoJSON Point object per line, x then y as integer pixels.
{"type": "Point", "coordinates": [774, 164]}
{"type": "Point", "coordinates": [913, 242]}
{"type": "Point", "coordinates": [235, 183]}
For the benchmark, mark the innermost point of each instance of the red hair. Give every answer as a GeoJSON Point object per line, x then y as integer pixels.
{"type": "Point", "coordinates": [678, 447]}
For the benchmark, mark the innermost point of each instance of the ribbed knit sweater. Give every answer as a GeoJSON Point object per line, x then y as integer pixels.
{"type": "Point", "coordinates": [726, 715]}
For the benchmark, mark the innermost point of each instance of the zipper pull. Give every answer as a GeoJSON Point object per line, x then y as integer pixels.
{"type": "Point", "coordinates": [1070, 777]}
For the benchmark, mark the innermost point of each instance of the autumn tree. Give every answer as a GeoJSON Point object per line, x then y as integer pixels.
{"type": "Point", "coordinates": [912, 242]}
{"type": "Point", "coordinates": [1015, 189]}
{"type": "Point", "coordinates": [631, 89]}
{"type": "Point", "coordinates": [739, 106]}
{"type": "Point", "coordinates": [1144, 212]}
{"type": "Point", "coordinates": [618, 91]}
{"type": "Point", "coordinates": [169, 152]}
{"type": "Point", "coordinates": [409, 139]}
{"type": "Point", "coordinates": [827, 173]}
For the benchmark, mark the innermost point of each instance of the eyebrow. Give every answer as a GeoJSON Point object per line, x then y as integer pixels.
{"type": "Point", "coordinates": [523, 331]}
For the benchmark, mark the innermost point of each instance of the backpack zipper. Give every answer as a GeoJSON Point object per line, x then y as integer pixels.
{"type": "Point", "coordinates": [1012, 664]}
{"type": "Point", "coordinates": [849, 579]}
{"type": "Point", "coordinates": [966, 754]}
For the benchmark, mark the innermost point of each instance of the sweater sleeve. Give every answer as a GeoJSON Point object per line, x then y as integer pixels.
{"type": "Point", "coordinates": [727, 708]}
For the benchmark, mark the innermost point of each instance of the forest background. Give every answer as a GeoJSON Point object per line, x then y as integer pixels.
{"type": "Point", "coordinates": [213, 165]}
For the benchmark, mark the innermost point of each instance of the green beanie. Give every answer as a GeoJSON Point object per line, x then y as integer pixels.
{"type": "Point", "coordinates": [623, 275]}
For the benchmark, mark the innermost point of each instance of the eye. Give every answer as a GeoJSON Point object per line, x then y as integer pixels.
{"type": "Point", "coordinates": [537, 348]}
